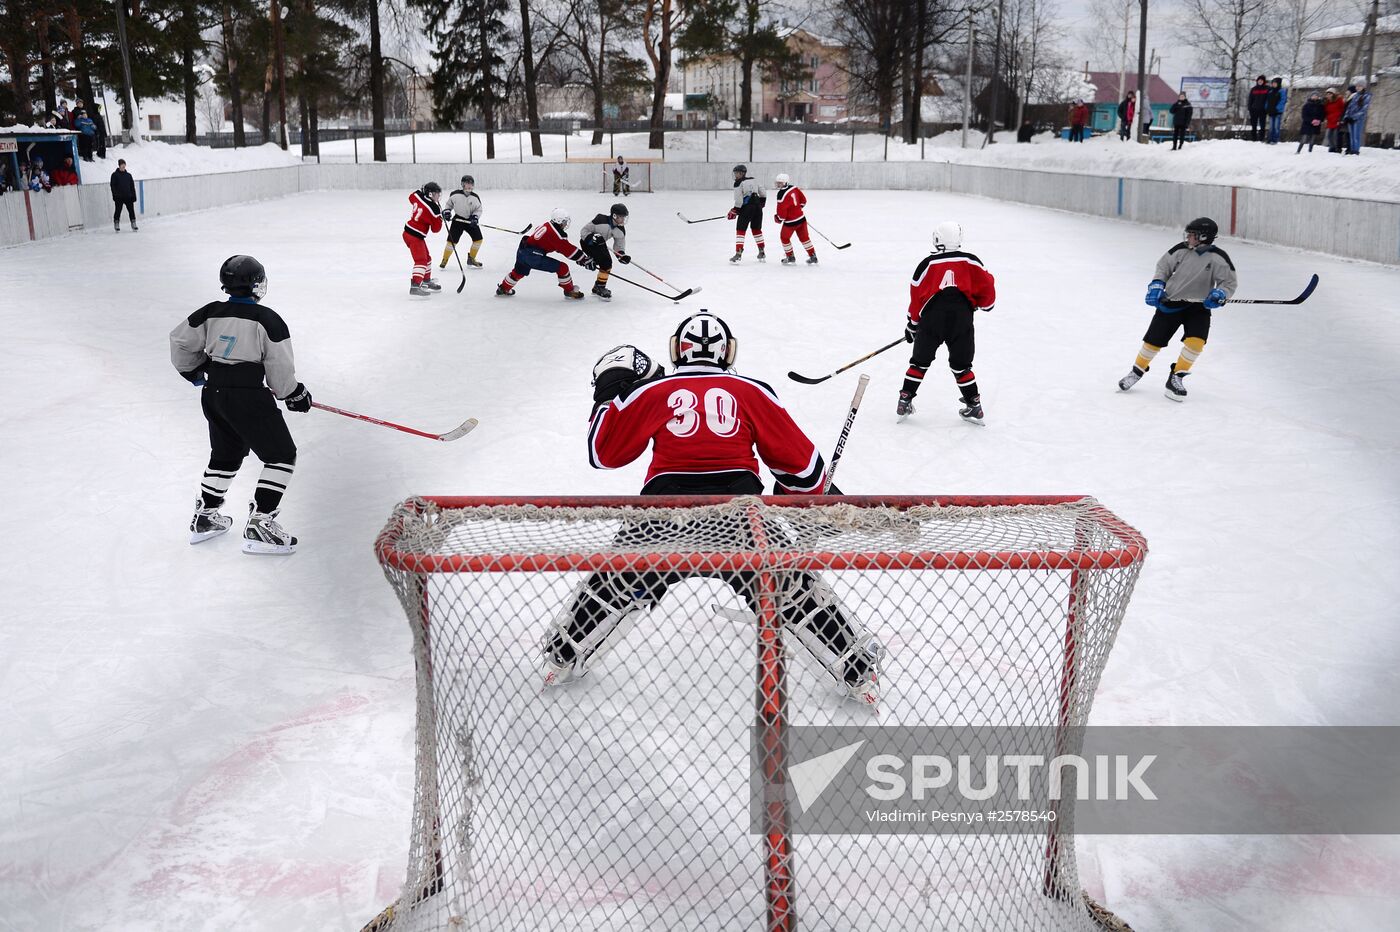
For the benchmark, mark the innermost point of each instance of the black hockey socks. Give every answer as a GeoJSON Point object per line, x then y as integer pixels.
{"type": "Point", "coordinates": [214, 486]}
{"type": "Point", "coordinates": [967, 384]}
{"type": "Point", "coordinates": [913, 378]}
{"type": "Point", "coordinates": [267, 497]}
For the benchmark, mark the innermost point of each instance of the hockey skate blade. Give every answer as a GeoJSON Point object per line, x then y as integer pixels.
{"type": "Point", "coordinates": [467, 427]}
{"type": "Point", "coordinates": [199, 537]}
{"type": "Point", "coordinates": [262, 548]}
{"type": "Point", "coordinates": [1170, 396]}
{"type": "Point", "coordinates": [975, 421]}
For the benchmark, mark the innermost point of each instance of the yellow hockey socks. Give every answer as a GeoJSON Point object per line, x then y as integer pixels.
{"type": "Point", "coordinates": [1145, 356]}
{"type": "Point", "coordinates": [476, 244]}
{"type": "Point", "coordinates": [446, 254]}
{"type": "Point", "coordinates": [1190, 351]}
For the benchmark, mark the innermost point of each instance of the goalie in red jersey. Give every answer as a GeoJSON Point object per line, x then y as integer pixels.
{"type": "Point", "coordinates": [708, 428]}
{"type": "Point", "coordinates": [534, 251]}
{"type": "Point", "coordinates": [426, 218]}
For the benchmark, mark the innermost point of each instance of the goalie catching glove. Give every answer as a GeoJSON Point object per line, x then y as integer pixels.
{"type": "Point", "coordinates": [619, 369]}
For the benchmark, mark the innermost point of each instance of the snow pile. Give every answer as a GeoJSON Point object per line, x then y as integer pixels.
{"type": "Point", "coordinates": [167, 160]}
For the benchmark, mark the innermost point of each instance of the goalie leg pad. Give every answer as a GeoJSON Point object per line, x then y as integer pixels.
{"type": "Point", "coordinates": [604, 608]}
{"type": "Point", "coordinates": [813, 613]}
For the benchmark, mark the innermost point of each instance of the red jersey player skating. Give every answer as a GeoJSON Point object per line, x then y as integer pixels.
{"type": "Point", "coordinates": [948, 286]}
{"type": "Point", "coordinates": [426, 218]}
{"type": "Point", "coordinates": [534, 251]}
{"type": "Point", "coordinates": [791, 215]}
{"type": "Point", "coordinates": [708, 428]}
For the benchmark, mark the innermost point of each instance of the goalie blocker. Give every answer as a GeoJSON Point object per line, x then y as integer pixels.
{"type": "Point", "coordinates": [708, 428]}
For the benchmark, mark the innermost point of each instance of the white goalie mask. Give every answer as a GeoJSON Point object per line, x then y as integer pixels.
{"type": "Point", "coordinates": [947, 236]}
{"type": "Point", "coordinates": [704, 340]}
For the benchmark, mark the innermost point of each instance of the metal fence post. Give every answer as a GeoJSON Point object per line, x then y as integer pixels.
{"type": "Point", "coordinates": [886, 156]}
{"type": "Point", "coordinates": [469, 146]}
{"type": "Point", "coordinates": [707, 141]}
{"type": "Point", "coordinates": [611, 153]}
{"type": "Point", "coordinates": [804, 143]}
{"type": "Point", "coordinates": [355, 141]}
{"type": "Point", "coordinates": [520, 142]}
{"type": "Point", "coordinates": [922, 140]}
{"type": "Point", "coordinates": [853, 142]}
{"type": "Point", "coordinates": [750, 140]}
{"type": "Point", "coordinates": [566, 146]}
{"type": "Point", "coordinates": [413, 142]}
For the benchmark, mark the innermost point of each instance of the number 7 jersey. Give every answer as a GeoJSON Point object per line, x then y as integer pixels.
{"type": "Point", "coordinates": [702, 420]}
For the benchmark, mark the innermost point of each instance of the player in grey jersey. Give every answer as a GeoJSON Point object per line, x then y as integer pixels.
{"type": "Point", "coordinates": [597, 235]}
{"type": "Point", "coordinates": [463, 215]}
{"type": "Point", "coordinates": [749, 201]}
{"type": "Point", "coordinates": [236, 350]}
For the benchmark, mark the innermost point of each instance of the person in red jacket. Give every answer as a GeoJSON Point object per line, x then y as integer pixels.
{"type": "Point", "coordinates": [792, 218]}
{"type": "Point", "coordinates": [426, 218]}
{"type": "Point", "coordinates": [948, 286]}
{"type": "Point", "coordinates": [1333, 106]}
{"type": "Point", "coordinates": [1078, 119]}
{"type": "Point", "coordinates": [534, 251]}
{"type": "Point", "coordinates": [65, 175]}
{"type": "Point", "coordinates": [707, 428]}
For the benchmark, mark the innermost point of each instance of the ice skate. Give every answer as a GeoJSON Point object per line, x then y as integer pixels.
{"type": "Point", "coordinates": [971, 412]}
{"type": "Point", "coordinates": [418, 290]}
{"type": "Point", "coordinates": [503, 292]}
{"type": "Point", "coordinates": [117, 227]}
{"type": "Point", "coordinates": [207, 523]}
{"type": "Point", "coordinates": [738, 254]}
{"type": "Point", "coordinates": [905, 407]}
{"type": "Point", "coordinates": [761, 256]}
{"type": "Point", "coordinates": [574, 294]}
{"type": "Point", "coordinates": [601, 292]}
{"type": "Point", "coordinates": [789, 260]}
{"type": "Point", "coordinates": [473, 264]}
{"type": "Point", "coordinates": [1131, 379]}
{"type": "Point", "coordinates": [134, 227]}
{"type": "Point", "coordinates": [263, 534]}
{"type": "Point", "coordinates": [811, 260]}
{"type": "Point", "coordinates": [432, 285]}
{"type": "Point", "coordinates": [1175, 390]}
{"type": "Point", "coordinates": [862, 674]}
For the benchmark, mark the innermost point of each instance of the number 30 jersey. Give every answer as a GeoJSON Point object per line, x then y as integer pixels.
{"type": "Point", "coordinates": [702, 420]}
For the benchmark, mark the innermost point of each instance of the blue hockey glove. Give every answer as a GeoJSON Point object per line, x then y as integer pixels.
{"type": "Point", "coordinates": [1215, 299]}
{"type": "Point", "coordinates": [1155, 290]}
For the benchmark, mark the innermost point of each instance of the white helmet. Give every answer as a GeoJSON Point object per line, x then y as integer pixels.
{"type": "Point", "coordinates": [704, 339]}
{"type": "Point", "coordinates": [560, 217]}
{"type": "Point", "coordinates": [947, 236]}
{"type": "Point", "coordinates": [782, 180]}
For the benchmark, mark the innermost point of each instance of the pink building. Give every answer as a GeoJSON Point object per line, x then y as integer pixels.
{"type": "Point", "coordinates": [820, 98]}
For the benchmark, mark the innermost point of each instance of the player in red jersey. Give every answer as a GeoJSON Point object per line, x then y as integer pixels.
{"type": "Point", "coordinates": [703, 423]}
{"type": "Point", "coordinates": [534, 251]}
{"type": "Point", "coordinates": [426, 218]}
{"type": "Point", "coordinates": [791, 216]}
{"type": "Point", "coordinates": [948, 286]}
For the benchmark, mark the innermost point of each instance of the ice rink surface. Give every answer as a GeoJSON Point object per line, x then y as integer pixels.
{"type": "Point", "coordinates": [197, 739]}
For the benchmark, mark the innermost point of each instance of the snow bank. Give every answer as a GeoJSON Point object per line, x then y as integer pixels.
{"type": "Point", "coordinates": [166, 160]}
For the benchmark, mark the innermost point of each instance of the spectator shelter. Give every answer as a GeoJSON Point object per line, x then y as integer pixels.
{"type": "Point", "coordinates": [1103, 108]}
{"type": "Point", "coordinates": [19, 144]}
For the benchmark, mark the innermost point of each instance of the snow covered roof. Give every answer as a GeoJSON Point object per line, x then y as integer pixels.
{"type": "Point", "coordinates": [827, 41]}
{"type": "Point", "coordinates": [1385, 25]}
{"type": "Point", "coordinates": [20, 129]}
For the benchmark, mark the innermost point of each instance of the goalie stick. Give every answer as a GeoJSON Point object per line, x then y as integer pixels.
{"type": "Point", "coordinates": [814, 380]}
{"type": "Point", "coordinates": [824, 236]}
{"type": "Point", "coordinates": [703, 220]}
{"type": "Point", "coordinates": [1312, 285]}
{"type": "Point", "coordinates": [504, 230]}
{"type": "Point", "coordinates": [456, 433]}
{"type": "Point", "coordinates": [670, 297]}
{"type": "Point", "coordinates": [845, 432]}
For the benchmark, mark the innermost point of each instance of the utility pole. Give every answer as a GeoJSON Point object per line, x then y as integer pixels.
{"type": "Point", "coordinates": [967, 81]}
{"type": "Point", "coordinates": [996, 76]}
{"type": "Point", "coordinates": [281, 73]}
{"type": "Point", "coordinates": [1138, 115]}
{"type": "Point", "coordinates": [133, 109]}
{"type": "Point", "coordinates": [1367, 71]}
{"type": "Point", "coordinates": [1123, 59]}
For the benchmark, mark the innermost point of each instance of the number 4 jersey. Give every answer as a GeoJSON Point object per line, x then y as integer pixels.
{"type": "Point", "coordinates": [701, 420]}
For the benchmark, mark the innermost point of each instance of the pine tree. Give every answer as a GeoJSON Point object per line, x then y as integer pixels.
{"type": "Point", "coordinates": [469, 67]}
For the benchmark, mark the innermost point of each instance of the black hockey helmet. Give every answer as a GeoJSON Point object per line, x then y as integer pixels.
{"type": "Point", "coordinates": [1205, 228]}
{"type": "Point", "coordinates": [741, 169]}
{"type": "Point", "coordinates": [618, 210]}
{"type": "Point", "coordinates": [468, 179]}
{"type": "Point", "coordinates": [243, 277]}
{"type": "Point", "coordinates": [432, 189]}
{"type": "Point", "coordinates": [704, 339]}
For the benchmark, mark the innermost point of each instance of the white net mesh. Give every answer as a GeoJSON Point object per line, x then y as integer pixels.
{"type": "Point", "coordinates": [620, 800]}
{"type": "Point", "coordinates": [638, 177]}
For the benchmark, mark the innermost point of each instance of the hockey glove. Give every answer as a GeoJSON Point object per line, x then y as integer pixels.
{"type": "Point", "coordinates": [588, 263]}
{"type": "Point", "coordinates": [1215, 299]}
{"type": "Point", "coordinates": [299, 400]}
{"type": "Point", "coordinates": [733, 212]}
{"type": "Point", "coordinates": [619, 369]}
{"type": "Point", "coordinates": [624, 258]}
{"type": "Point", "coordinates": [1155, 290]}
{"type": "Point", "coordinates": [911, 330]}
{"type": "Point", "coordinates": [447, 216]}
{"type": "Point", "coordinates": [194, 376]}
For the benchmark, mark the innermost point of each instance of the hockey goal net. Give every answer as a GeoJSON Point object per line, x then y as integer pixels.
{"type": "Point", "coordinates": [638, 178]}
{"type": "Point", "coordinates": [621, 800]}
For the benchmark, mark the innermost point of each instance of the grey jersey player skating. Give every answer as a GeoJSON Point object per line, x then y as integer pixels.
{"type": "Point", "coordinates": [240, 353]}
{"type": "Point", "coordinates": [463, 215]}
{"type": "Point", "coordinates": [603, 237]}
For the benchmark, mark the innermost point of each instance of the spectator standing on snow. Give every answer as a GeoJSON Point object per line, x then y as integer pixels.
{"type": "Point", "coordinates": [100, 141]}
{"type": "Point", "coordinates": [1355, 118]}
{"type": "Point", "coordinates": [1125, 116]}
{"type": "Point", "coordinates": [1181, 111]}
{"type": "Point", "coordinates": [1258, 108]}
{"type": "Point", "coordinates": [87, 135]}
{"type": "Point", "coordinates": [1275, 104]}
{"type": "Point", "coordinates": [1078, 117]}
{"type": "Point", "coordinates": [1332, 108]}
{"type": "Point", "coordinates": [123, 193]}
{"type": "Point", "coordinates": [1026, 131]}
{"type": "Point", "coordinates": [1314, 113]}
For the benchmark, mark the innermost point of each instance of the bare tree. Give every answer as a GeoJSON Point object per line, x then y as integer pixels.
{"type": "Point", "coordinates": [1226, 34]}
{"type": "Point", "coordinates": [593, 31]}
{"type": "Point", "coordinates": [1034, 65]}
{"type": "Point", "coordinates": [874, 31]}
{"type": "Point", "coordinates": [662, 23]}
{"type": "Point", "coordinates": [1296, 19]}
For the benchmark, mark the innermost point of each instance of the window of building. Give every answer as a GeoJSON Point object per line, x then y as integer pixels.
{"type": "Point", "coordinates": [812, 85]}
{"type": "Point", "coordinates": [815, 62]}
{"type": "Point", "coordinates": [155, 122]}
{"type": "Point", "coordinates": [1334, 64]}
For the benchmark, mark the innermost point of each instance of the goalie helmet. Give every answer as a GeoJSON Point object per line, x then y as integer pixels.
{"type": "Point", "coordinates": [619, 212]}
{"type": "Point", "coordinates": [947, 236]}
{"type": "Point", "coordinates": [1205, 228]}
{"type": "Point", "coordinates": [704, 340]}
{"type": "Point", "coordinates": [243, 277]}
{"type": "Point", "coordinates": [782, 180]}
{"type": "Point", "coordinates": [560, 218]}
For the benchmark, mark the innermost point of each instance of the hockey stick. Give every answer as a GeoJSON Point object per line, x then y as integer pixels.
{"type": "Point", "coordinates": [454, 434]}
{"type": "Point", "coordinates": [845, 432]}
{"type": "Point", "coordinates": [1298, 300]}
{"type": "Point", "coordinates": [660, 279]}
{"type": "Point", "coordinates": [670, 297]}
{"type": "Point", "coordinates": [824, 236]}
{"type": "Point", "coordinates": [504, 230]}
{"type": "Point", "coordinates": [809, 380]}
{"type": "Point", "coordinates": [705, 220]}
{"type": "Point", "coordinates": [461, 268]}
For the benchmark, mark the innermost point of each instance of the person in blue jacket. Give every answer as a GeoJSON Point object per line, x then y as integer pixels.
{"type": "Point", "coordinates": [1275, 104]}
{"type": "Point", "coordinates": [1355, 118]}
